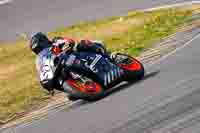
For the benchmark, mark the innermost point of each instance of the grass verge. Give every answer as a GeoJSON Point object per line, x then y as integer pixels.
{"type": "Point", "coordinates": [131, 34]}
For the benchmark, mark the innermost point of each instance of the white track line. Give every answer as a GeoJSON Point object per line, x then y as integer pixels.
{"type": "Point", "coordinates": [34, 120]}
{"type": "Point", "coordinates": [3, 2]}
{"type": "Point", "coordinates": [173, 52]}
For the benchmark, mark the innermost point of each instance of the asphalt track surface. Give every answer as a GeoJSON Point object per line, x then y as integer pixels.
{"type": "Point", "coordinates": [167, 99]}
{"type": "Point", "coordinates": [27, 16]}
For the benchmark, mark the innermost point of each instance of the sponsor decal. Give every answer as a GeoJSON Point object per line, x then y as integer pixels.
{"type": "Point", "coordinates": [92, 65]}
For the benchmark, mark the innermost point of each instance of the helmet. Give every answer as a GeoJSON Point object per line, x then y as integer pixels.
{"type": "Point", "coordinates": [60, 44]}
{"type": "Point", "coordinates": [38, 42]}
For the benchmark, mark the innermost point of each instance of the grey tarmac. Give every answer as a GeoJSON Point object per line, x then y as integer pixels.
{"type": "Point", "coordinates": [27, 16]}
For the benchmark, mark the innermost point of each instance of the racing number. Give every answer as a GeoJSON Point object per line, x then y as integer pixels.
{"type": "Point", "coordinates": [46, 72]}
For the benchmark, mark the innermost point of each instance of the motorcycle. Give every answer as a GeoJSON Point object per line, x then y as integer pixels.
{"type": "Point", "coordinates": [98, 74]}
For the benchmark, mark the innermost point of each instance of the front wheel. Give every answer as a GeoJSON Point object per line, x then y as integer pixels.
{"type": "Point", "coordinates": [133, 67]}
{"type": "Point", "coordinates": [83, 89]}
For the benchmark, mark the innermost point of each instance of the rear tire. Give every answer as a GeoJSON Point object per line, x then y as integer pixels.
{"type": "Point", "coordinates": [140, 73]}
{"type": "Point", "coordinates": [133, 67]}
{"type": "Point", "coordinates": [135, 75]}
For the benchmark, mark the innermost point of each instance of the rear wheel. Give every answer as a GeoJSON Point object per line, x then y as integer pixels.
{"type": "Point", "coordinates": [87, 90]}
{"type": "Point", "coordinates": [133, 67]}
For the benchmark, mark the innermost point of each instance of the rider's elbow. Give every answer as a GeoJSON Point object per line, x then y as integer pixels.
{"type": "Point", "coordinates": [48, 84]}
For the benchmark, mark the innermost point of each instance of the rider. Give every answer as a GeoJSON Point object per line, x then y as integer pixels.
{"type": "Point", "coordinates": [59, 46]}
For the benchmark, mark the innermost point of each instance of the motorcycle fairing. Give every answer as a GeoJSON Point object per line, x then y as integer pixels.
{"type": "Point", "coordinates": [98, 67]}
{"type": "Point", "coordinates": [45, 65]}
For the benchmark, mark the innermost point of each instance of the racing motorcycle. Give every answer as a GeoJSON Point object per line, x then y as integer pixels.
{"type": "Point", "coordinates": [99, 73]}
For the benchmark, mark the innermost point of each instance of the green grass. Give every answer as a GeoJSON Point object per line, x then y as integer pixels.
{"type": "Point", "coordinates": [18, 82]}
{"type": "Point", "coordinates": [131, 34]}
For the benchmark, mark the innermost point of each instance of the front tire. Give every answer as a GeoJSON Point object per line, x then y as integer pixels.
{"type": "Point", "coordinates": [88, 91]}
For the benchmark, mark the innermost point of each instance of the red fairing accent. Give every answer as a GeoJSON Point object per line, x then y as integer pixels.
{"type": "Point", "coordinates": [135, 66]}
{"type": "Point", "coordinates": [90, 88]}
